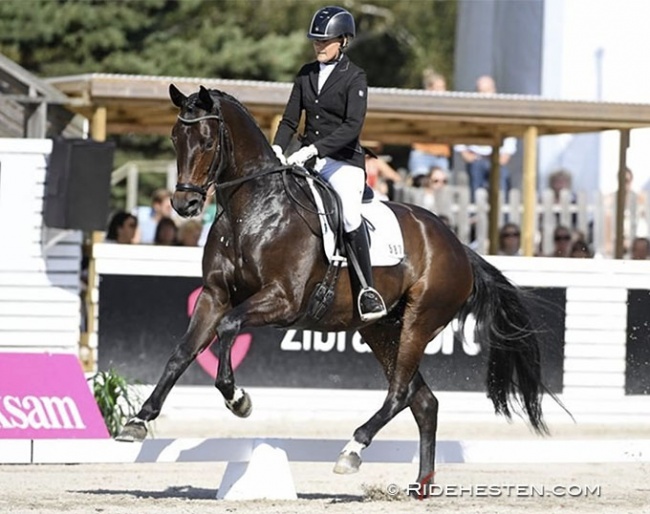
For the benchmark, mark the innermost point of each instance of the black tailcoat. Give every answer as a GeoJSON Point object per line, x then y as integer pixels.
{"type": "Point", "coordinates": [334, 117]}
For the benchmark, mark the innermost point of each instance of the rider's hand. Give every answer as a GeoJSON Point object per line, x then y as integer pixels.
{"type": "Point", "coordinates": [303, 155]}
{"type": "Point", "coordinates": [279, 154]}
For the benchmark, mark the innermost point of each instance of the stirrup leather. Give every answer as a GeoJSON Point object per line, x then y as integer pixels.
{"type": "Point", "coordinates": [375, 307]}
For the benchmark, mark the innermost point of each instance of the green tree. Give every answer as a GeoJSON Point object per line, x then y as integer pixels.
{"type": "Point", "coordinates": [232, 39]}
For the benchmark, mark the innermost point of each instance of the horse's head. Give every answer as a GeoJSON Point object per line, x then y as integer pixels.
{"type": "Point", "coordinates": [199, 138]}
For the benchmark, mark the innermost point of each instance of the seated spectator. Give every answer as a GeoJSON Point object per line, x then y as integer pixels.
{"type": "Point", "coordinates": [189, 233]}
{"type": "Point", "coordinates": [379, 173]}
{"type": "Point", "coordinates": [510, 239]}
{"type": "Point", "coordinates": [161, 207]}
{"type": "Point", "coordinates": [122, 228]}
{"type": "Point", "coordinates": [580, 250]}
{"type": "Point", "coordinates": [433, 185]}
{"type": "Point", "coordinates": [166, 233]}
{"type": "Point", "coordinates": [640, 250]}
{"type": "Point", "coordinates": [561, 242]}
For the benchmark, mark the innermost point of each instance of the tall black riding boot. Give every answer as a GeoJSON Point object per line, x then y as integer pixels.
{"type": "Point", "coordinates": [369, 302]}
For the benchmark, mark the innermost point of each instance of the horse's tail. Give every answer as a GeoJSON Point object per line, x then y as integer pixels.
{"type": "Point", "coordinates": [503, 323]}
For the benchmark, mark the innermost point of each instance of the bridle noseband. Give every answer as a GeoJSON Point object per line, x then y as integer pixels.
{"type": "Point", "coordinates": [213, 171]}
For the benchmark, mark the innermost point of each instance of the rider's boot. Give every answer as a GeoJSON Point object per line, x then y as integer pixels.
{"type": "Point", "coordinates": [369, 302]}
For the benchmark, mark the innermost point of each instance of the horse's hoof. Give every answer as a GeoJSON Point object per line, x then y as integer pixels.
{"type": "Point", "coordinates": [134, 431]}
{"type": "Point", "coordinates": [242, 406]}
{"type": "Point", "coordinates": [347, 464]}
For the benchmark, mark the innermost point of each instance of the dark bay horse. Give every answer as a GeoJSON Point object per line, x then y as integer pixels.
{"type": "Point", "coordinates": [264, 256]}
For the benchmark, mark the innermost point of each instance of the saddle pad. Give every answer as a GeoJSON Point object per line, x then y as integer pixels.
{"type": "Point", "coordinates": [386, 241]}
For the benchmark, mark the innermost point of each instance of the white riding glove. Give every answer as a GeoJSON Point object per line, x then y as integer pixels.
{"type": "Point", "coordinates": [279, 154]}
{"type": "Point", "coordinates": [303, 155]}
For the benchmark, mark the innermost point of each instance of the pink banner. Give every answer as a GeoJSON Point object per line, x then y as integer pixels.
{"type": "Point", "coordinates": [46, 396]}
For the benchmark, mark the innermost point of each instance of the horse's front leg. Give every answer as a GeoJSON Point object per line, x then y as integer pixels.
{"type": "Point", "coordinates": [267, 307]}
{"type": "Point", "coordinates": [200, 333]}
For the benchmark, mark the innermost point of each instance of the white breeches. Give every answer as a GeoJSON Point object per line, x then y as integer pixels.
{"type": "Point", "coordinates": [349, 182]}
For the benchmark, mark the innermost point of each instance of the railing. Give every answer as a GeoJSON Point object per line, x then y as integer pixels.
{"type": "Point", "coordinates": [130, 172]}
{"type": "Point", "coordinates": [591, 213]}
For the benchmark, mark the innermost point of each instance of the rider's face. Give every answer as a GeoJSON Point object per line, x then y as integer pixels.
{"type": "Point", "coordinates": [327, 50]}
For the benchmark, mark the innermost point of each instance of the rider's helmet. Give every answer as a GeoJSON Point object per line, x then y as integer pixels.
{"type": "Point", "coordinates": [331, 22]}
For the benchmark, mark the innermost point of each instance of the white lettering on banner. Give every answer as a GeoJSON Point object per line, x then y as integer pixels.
{"type": "Point", "coordinates": [321, 342]}
{"type": "Point", "coordinates": [444, 342]}
{"type": "Point", "coordinates": [329, 341]}
{"type": "Point", "coordinates": [50, 413]}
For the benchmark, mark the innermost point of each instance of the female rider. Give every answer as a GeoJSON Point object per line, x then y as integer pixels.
{"type": "Point", "coordinates": [333, 92]}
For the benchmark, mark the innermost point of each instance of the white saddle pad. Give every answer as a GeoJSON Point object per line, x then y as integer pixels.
{"type": "Point", "coordinates": [386, 241]}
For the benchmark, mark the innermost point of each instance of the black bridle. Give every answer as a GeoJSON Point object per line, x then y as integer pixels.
{"type": "Point", "coordinates": [213, 171]}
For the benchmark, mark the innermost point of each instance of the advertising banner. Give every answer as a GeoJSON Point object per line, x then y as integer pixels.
{"type": "Point", "coordinates": [46, 396]}
{"type": "Point", "coordinates": [142, 318]}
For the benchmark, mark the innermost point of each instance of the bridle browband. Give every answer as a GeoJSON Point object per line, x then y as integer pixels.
{"type": "Point", "coordinates": [213, 173]}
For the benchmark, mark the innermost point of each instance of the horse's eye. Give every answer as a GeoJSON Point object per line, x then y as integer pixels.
{"type": "Point", "coordinates": [209, 144]}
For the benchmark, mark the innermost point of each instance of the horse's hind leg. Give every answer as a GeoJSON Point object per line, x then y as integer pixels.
{"type": "Point", "coordinates": [198, 336]}
{"type": "Point", "coordinates": [384, 342]}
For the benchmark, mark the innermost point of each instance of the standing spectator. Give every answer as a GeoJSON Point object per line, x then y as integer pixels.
{"type": "Point", "coordinates": [122, 228]}
{"type": "Point", "coordinates": [561, 242]}
{"type": "Point", "coordinates": [161, 207]}
{"type": "Point", "coordinates": [634, 216]}
{"type": "Point", "coordinates": [560, 180]}
{"type": "Point", "coordinates": [640, 250]}
{"type": "Point", "coordinates": [166, 233]}
{"type": "Point", "coordinates": [478, 157]}
{"type": "Point", "coordinates": [510, 239]}
{"type": "Point", "coordinates": [424, 156]}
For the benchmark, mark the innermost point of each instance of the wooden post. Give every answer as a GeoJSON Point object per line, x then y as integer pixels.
{"type": "Point", "coordinates": [529, 190]}
{"type": "Point", "coordinates": [621, 196]}
{"type": "Point", "coordinates": [495, 187]}
{"type": "Point", "coordinates": [88, 339]}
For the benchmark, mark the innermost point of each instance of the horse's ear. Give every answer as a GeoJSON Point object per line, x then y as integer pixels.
{"type": "Point", "coordinates": [178, 98]}
{"type": "Point", "coordinates": [205, 98]}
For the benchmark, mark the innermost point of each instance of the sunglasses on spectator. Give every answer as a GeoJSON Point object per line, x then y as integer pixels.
{"type": "Point", "coordinates": [439, 180]}
{"type": "Point", "coordinates": [510, 234]}
{"type": "Point", "coordinates": [564, 237]}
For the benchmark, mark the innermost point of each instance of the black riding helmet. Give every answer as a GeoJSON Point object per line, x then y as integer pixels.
{"type": "Point", "coordinates": [331, 22]}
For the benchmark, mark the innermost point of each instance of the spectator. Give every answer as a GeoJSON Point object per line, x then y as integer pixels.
{"type": "Point", "coordinates": [379, 174]}
{"type": "Point", "coordinates": [122, 228]}
{"type": "Point", "coordinates": [580, 250]}
{"type": "Point", "coordinates": [559, 181]}
{"type": "Point", "coordinates": [161, 207]}
{"type": "Point", "coordinates": [561, 242]}
{"type": "Point", "coordinates": [640, 250]}
{"type": "Point", "coordinates": [434, 185]}
{"type": "Point", "coordinates": [189, 233]}
{"type": "Point", "coordinates": [634, 216]}
{"type": "Point", "coordinates": [424, 156]}
{"type": "Point", "coordinates": [510, 239]}
{"type": "Point", "coordinates": [477, 158]}
{"type": "Point", "coordinates": [166, 233]}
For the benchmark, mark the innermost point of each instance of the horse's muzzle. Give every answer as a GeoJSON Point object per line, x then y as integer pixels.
{"type": "Point", "coordinates": [187, 203]}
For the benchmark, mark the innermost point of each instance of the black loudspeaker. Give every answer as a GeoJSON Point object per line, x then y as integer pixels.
{"type": "Point", "coordinates": [78, 184]}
